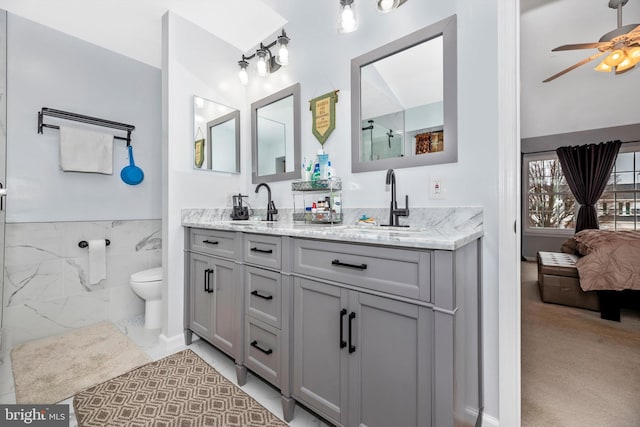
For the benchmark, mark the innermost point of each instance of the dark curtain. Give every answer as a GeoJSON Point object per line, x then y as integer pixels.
{"type": "Point", "coordinates": [587, 169]}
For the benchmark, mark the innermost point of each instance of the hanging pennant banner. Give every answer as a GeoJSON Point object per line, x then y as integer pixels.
{"type": "Point", "coordinates": [323, 109]}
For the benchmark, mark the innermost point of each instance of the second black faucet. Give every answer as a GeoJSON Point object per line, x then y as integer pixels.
{"type": "Point", "coordinates": [394, 212]}
{"type": "Point", "coordinates": [271, 206]}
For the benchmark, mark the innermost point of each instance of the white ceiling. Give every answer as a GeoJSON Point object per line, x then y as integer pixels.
{"type": "Point", "coordinates": [134, 27]}
{"type": "Point", "coordinates": [582, 98]}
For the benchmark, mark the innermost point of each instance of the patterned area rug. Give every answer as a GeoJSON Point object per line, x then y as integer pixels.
{"type": "Point", "coordinates": [179, 390]}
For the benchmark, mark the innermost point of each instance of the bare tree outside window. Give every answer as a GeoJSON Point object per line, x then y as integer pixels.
{"type": "Point", "coordinates": [551, 204]}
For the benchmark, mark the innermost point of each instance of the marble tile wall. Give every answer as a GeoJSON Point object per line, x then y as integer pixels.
{"type": "Point", "coordinates": [46, 289]}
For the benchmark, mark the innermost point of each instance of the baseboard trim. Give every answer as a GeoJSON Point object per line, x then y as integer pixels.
{"type": "Point", "coordinates": [529, 258]}
{"type": "Point", "coordinates": [489, 421]}
{"type": "Point", "coordinates": [173, 343]}
{"type": "Point", "coordinates": [485, 420]}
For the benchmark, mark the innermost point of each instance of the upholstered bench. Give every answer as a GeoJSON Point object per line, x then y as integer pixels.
{"type": "Point", "coordinates": [559, 282]}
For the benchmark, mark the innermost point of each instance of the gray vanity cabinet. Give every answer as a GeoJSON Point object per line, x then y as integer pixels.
{"type": "Point", "coordinates": [360, 359]}
{"type": "Point", "coordinates": [200, 302]}
{"type": "Point", "coordinates": [390, 363]}
{"type": "Point", "coordinates": [214, 290]}
{"type": "Point", "coordinates": [320, 359]}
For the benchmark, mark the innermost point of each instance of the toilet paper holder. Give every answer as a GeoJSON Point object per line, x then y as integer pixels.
{"type": "Point", "coordinates": [84, 244]}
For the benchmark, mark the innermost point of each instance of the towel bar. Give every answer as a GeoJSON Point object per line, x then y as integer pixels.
{"type": "Point", "coordinates": [83, 119]}
{"type": "Point", "coordinates": [84, 244]}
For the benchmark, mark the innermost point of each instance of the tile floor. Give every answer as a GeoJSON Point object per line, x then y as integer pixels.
{"type": "Point", "coordinates": [266, 395]}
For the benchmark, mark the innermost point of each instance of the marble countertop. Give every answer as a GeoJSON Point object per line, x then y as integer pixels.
{"type": "Point", "coordinates": [414, 236]}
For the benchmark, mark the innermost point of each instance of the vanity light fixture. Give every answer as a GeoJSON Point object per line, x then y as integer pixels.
{"type": "Point", "coordinates": [347, 21]}
{"type": "Point", "coordinates": [385, 6]}
{"type": "Point", "coordinates": [266, 62]}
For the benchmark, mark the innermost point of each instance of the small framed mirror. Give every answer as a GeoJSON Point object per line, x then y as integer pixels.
{"type": "Point", "coordinates": [275, 136]}
{"type": "Point", "coordinates": [216, 134]}
{"type": "Point", "coordinates": [404, 101]}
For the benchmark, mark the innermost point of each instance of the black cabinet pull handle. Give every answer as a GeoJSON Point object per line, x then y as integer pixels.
{"type": "Point", "coordinates": [206, 280]}
{"type": "Point", "coordinates": [342, 264]}
{"type": "Point", "coordinates": [259, 295]}
{"type": "Point", "coordinates": [343, 343]}
{"type": "Point", "coordinates": [210, 290]}
{"type": "Point", "coordinates": [262, 251]}
{"type": "Point", "coordinates": [352, 348]}
{"type": "Point", "coordinates": [254, 344]}
{"type": "Point", "coordinates": [210, 242]}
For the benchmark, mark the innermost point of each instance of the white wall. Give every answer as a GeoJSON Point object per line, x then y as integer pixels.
{"type": "Point", "coordinates": [320, 61]}
{"type": "Point", "coordinates": [194, 63]}
{"type": "Point", "coordinates": [47, 68]}
{"type": "Point", "coordinates": [583, 98]}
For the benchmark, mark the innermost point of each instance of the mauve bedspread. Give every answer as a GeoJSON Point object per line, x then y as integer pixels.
{"type": "Point", "coordinates": [610, 259]}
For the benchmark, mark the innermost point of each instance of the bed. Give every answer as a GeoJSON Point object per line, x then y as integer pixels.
{"type": "Point", "coordinates": [609, 263]}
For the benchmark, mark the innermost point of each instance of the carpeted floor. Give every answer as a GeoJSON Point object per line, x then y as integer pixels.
{"type": "Point", "coordinates": [179, 390]}
{"type": "Point", "coordinates": [577, 369]}
{"type": "Point", "coordinates": [52, 369]}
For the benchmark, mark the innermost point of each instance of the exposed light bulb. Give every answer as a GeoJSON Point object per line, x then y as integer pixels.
{"type": "Point", "coordinates": [261, 64]}
{"type": "Point", "coordinates": [283, 56]}
{"type": "Point", "coordinates": [385, 5]}
{"type": "Point", "coordinates": [347, 20]}
{"type": "Point", "coordinates": [282, 49]}
{"type": "Point", "coordinates": [243, 76]}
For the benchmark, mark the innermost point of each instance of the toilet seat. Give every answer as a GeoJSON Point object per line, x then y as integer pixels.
{"type": "Point", "coordinates": [145, 276]}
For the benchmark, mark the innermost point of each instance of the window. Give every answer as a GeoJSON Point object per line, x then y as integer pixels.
{"type": "Point", "coordinates": [549, 204]}
{"type": "Point", "coordinates": [619, 206]}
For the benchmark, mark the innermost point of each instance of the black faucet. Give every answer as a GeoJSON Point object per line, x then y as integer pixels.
{"type": "Point", "coordinates": [394, 212]}
{"type": "Point", "coordinates": [271, 207]}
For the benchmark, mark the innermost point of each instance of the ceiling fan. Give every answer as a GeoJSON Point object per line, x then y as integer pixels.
{"type": "Point", "coordinates": [621, 44]}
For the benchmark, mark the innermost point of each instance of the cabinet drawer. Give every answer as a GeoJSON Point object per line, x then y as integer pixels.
{"type": "Point", "coordinates": [263, 299]}
{"type": "Point", "coordinates": [213, 242]}
{"type": "Point", "coordinates": [263, 250]}
{"type": "Point", "coordinates": [262, 350]}
{"type": "Point", "coordinates": [400, 272]}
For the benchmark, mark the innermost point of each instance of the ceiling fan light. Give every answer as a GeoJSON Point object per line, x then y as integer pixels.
{"type": "Point", "coordinates": [634, 54]}
{"type": "Point", "coordinates": [602, 67]}
{"type": "Point", "coordinates": [615, 58]}
{"type": "Point", "coordinates": [625, 65]}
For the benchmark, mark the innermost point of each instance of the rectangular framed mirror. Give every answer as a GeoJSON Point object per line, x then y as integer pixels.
{"type": "Point", "coordinates": [216, 135]}
{"type": "Point", "coordinates": [404, 101]}
{"type": "Point", "coordinates": [275, 136]}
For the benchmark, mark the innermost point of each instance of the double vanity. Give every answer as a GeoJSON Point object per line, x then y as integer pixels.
{"type": "Point", "coordinates": [363, 325]}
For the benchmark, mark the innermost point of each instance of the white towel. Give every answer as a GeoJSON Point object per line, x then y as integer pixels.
{"type": "Point", "coordinates": [83, 150]}
{"type": "Point", "coordinates": [97, 261]}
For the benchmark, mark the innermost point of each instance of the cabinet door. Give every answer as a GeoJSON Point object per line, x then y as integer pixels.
{"type": "Point", "coordinates": [225, 311]}
{"type": "Point", "coordinates": [200, 299]}
{"type": "Point", "coordinates": [319, 361]}
{"type": "Point", "coordinates": [390, 367]}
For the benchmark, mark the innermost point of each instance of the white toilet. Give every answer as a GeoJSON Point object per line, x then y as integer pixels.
{"type": "Point", "coordinates": [147, 284]}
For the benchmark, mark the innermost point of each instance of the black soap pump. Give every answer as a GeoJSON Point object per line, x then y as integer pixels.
{"type": "Point", "coordinates": [239, 210]}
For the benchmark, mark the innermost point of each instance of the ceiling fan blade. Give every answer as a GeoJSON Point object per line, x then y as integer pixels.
{"type": "Point", "coordinates": [581, 46]}
{"type": "Point", "coordinates": [573, 67]}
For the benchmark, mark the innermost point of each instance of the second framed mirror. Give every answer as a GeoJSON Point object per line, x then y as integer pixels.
{"type": "Point", "coordinates": [275, 136]}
